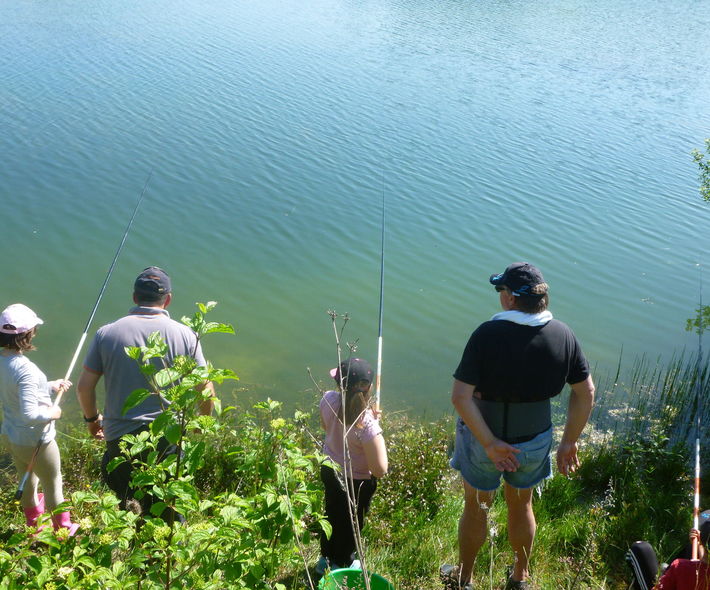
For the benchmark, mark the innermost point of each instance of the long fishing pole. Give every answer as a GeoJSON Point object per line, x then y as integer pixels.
{"type": "Point", "coordinates": [378, 377]}
{"type": "Point", "coordinates": [698, 388]}
{"type": "Point", "coordinates": [60, 393]}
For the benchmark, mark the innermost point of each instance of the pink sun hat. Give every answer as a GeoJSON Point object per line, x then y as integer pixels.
{"type": "Point", "coordinates": [17, 319]}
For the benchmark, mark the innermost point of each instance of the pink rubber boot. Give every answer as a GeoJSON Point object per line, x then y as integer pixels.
{"type": "Point", "coordinates": [63, 520]}
{"type": "Point", "coordinates": [32, 514]}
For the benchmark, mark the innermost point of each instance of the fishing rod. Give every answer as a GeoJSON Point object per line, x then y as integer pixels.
{"type": "Point", "coordinates": [378, 377]}
{"type": "Point", "coordinates": [698, 387]}
{"type": "Point", "coordinates": [60, 393]}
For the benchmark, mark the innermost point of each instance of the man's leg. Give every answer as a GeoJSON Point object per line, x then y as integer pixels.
{"type": "Point", "coordinates": [473, 527]}
{"type": "Point", "coordinates": [118, 480]}
{"type": "Point", "coordinates": [521, 528]}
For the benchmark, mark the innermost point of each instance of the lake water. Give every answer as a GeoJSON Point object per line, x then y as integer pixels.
{"type": "Point", "coordinates": [554, 132]}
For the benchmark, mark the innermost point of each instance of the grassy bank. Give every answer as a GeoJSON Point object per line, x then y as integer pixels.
{"type": "Point", "coordinates": [257, 512]}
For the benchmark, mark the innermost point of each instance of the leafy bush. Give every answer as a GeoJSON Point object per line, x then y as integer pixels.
{"type": "Point", "coordinates": [419, 474]}
{"type": "Point", "coordinates": [242, 536]}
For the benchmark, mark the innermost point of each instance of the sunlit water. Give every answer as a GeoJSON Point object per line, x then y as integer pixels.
{"type": "Point", "coordinates": [555, 132]}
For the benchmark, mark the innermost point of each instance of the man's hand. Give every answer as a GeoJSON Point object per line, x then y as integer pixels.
{"type": "Point", "coordinates": [567, 459]}
{"type": "Point", "coordinates": [96, 428]}
{"type": "Point", "coordinates": [581, 401]}
{"type": "Point", "coordinates": [502, 455]}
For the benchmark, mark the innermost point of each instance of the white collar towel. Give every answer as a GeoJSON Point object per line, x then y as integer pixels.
{"type": "Point", "coordinates": [524, 319]}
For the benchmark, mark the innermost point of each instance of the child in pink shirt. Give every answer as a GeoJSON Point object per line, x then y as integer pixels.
{"type": "Point", "coordinates": [357, 452]}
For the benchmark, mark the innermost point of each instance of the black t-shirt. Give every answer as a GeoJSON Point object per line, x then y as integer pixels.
{"type": "Point", "coordinates": [514, 363]}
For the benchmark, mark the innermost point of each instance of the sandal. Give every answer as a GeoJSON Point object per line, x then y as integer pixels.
{"type": "Point", "coordinates": [512, 584]}
{"type": "Point", "coordinates": [449, 575]}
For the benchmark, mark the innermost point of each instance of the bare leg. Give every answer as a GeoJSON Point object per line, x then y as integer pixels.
{"type": "Point", "coordinates": [521, 528]}
{"type": "Point", "coordinates": [473, 527]}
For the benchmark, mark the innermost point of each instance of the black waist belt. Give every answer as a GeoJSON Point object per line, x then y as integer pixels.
{"type": "Point", "coordinates": [516, 422]}
{"type": "Point", "coordinates": [514, 440]}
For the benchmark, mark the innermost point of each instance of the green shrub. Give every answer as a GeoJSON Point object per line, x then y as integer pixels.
{"type": "Point", "coordinates": [419, 475]}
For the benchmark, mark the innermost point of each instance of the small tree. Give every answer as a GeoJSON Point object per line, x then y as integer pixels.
{"type": "Point", "coordinates": [703, 161]}
{"type": "Point", "coordinates": [701, 321]}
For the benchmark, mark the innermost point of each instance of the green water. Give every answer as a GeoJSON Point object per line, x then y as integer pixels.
{"type": "Point", "coordinates": [556, 132]}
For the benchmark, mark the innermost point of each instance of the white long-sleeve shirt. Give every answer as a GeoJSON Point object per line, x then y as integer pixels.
{"type": "Point", "coordinates": [26, 400]}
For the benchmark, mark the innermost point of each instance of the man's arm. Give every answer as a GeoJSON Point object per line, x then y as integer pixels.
{"type": "Point", "coordinates": [206, 406]}
{"type": "Point", "coordinates": [86, 394]}
{"type": "Point", "coordinates": [500, 453]}
{"type": "Point", "coordinates": [581, 401]}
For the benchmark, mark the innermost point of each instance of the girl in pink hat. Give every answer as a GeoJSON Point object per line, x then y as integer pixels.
{"type": "Point", "coordinates": [358, 456]}
{"type": "Point", "coordinates": [29, 415]}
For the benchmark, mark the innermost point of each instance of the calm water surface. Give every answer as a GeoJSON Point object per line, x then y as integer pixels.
{"type": "Point", "coordinates": [555, 132]}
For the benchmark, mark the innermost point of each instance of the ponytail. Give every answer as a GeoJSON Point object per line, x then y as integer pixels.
{"type": "Point", "coordinates": [356, 401]}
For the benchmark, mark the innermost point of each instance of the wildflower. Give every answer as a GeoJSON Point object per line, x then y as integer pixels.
{"type": "Point", "coordinates": [85, 523]}
{"type": "Point", "coordinates": [62, 534]}
{"type": "Point", "coordinates": [105, 539]}
{"type": "Point", "coordinates": [64, 572]}
{"type": "Point", "coordinates": [278, 423]}
{"type": "Point", "coordinates": [161, 532]}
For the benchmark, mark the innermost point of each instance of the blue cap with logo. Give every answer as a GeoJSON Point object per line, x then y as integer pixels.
{"type": "Point", "coordinates": [520, 278]}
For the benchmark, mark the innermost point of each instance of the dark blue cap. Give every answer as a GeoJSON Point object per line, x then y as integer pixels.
{"type": "Point", "coordinates": [152, 281]}
{"type": "Point", "coordinates": [520, 278]}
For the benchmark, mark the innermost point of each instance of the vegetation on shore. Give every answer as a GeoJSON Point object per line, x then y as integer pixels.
{"type": "Point", "coordinates": [247, 483]}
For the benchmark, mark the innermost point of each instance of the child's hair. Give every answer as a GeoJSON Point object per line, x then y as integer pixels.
{"type": "Point", "coordinates": [19, 342]}
{"type": "Point", "coordinates": [357, 397]}
{"type": "Point", "coordinates": [354, 375]}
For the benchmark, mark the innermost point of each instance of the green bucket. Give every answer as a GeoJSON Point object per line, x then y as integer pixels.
{"type": "Point", "coordinates": [352, 579]}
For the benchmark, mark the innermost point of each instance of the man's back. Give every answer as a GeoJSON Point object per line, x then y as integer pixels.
{"type": "Point", "coordinates": [122, 374]}
{"type": "Point", "coordinates": [512, 362]}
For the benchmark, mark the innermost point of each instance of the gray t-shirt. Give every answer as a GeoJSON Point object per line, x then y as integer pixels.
{"type": "Point", "coordinates": [121, 373]}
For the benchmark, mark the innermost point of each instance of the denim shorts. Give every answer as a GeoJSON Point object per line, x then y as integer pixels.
{"type": "Point", "coordinates": [479, 471]}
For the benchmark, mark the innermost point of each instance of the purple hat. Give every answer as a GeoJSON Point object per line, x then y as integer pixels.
{"type": "Point", "coordinates": [17, 319]}
{"type": "Point", "coordinates": [152, 281]}
{"type": "Point", "coordinates": [520, 278]}
{"type": "Point", "coordinates": [353, 371]}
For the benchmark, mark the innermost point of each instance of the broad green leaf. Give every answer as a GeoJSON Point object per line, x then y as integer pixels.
{"type": "Point", "coordinates": [216, 327]}
{"type": "Point", "coordinates": [134, 352]}
{"type": "Point", "coordinates": [157, 508]}
{"type": "Point", "coordinates": [181, 489]}
{"type": "Point", "coordinates": [326, 526]}
{"type": "Point", "coordinates": [166, 377]}
{"type": "Point", "coordinates": [194, 454]}
{"type": "Point", "coordinates": [35, 563]}
{"type": "Point", "coordinates": [229, 513]}
{"type": "Point", "coordinates": [161, 422]}
{"type": "Point", "coordinates": [173, 432]}
{"type": "Point", "coordinates": [115, 462]}
{"type": "Point", "coordinates": [157, 344]}
{"type": "Point", "coordinates": [135, 399]}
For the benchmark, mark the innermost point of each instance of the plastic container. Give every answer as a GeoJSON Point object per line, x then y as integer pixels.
{"type": "Point", "coordinates": [352, 579]}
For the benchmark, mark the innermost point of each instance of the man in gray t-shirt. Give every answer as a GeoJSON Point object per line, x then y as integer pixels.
{"type": "Point", "coordinates": [107, 358]}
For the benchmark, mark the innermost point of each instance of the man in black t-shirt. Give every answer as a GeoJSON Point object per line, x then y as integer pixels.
{"type": "Point", "coordinates": [510, 368]}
